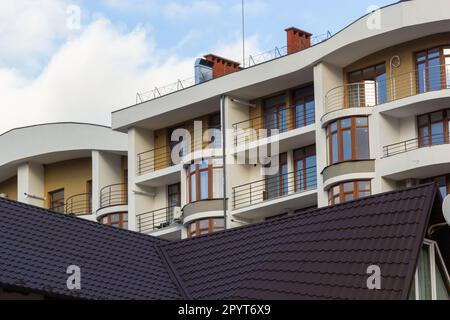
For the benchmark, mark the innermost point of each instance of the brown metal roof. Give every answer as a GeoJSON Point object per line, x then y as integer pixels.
{"type": "Point", "coordinates": [319, 254]}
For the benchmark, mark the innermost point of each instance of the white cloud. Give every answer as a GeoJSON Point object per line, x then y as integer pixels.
{"type": "Point", "coordinates": [93, 72]}
{"type": "Point", "coordinates": [87, 78]}
{"type": "Point", "coordinates": [30, 30]}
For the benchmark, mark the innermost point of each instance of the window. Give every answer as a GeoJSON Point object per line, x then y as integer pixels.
{"type": "Point", "coordinates": [277, 185]}
{"type": "Point", "coordinates": [369, 86]}
{"type": "Point", "coordinates": [206, 226]}
{"type": "Point", "coordinates": [304, 107]}
{"type": "Point", "coordinates": [214, 125]}
{"type": "Point", "coordinates": [348, 139]}
{"type": "Point", "coordinates": [276, 114]}
{"type": "Point", "coordinates": [174, 195]}
{"type": "Point", "coordinates": [348, 191]}
{"type": "Point", "coordinates": [56, 201]}
{"type": "Point", "coordinates": [443, 183]}
{"type": "Point", "coordinates": [118, 220]}
{"type": "Point", "coordinates": [434, 128]}
{"type": "Point", "coordinates": [431, 281]}
{"type": "Point", "coordinates": [433, 69]}
{"type": "Point", "coordinates": [205, 181]}
{"type": "Point", "coordinates": [305, 168]}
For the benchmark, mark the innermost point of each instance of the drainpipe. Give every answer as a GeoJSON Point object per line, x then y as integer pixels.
{"type": "Point", "coordinates": [224, 158]}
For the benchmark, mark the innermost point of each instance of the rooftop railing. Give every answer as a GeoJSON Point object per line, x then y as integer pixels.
{"type": "Point", "coordinates": [416, 143]}
{"type": "Point", "coordinates": [274, 187]}
{"type": "Point", "coordinates": [284, 120]}
{"type": "Point", "coordinates": [155, 220]}
{"type": "Point", "coordinates": [251, 61]}
{"type": "Point", "coordinates": [114, 195]}
{"type": "Point", "coordinates": [372, 93]}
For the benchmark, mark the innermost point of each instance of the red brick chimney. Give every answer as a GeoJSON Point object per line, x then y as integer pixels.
{"type": "Point", "coordinates": [297, 40]}
{"type": "Point", "coordinates": [222, 66]}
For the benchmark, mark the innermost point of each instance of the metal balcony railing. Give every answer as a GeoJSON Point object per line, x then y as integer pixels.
{"type": "Point", "coordinates": [161, 158]}
{"type": "Point", "coordinates": [274, 187]}
{"type": "Point", "coordinates": [251, 61]}
{"type": "Point", "coordinates": [114, 195]}
{"type": "Point", "coordinates": [80, 204]}
{"type": "Point", "coordinates": [414, 144]}
{"type": "Point", "coordinates": [372, 93]}
{"type": "Point", "coordinates": [155, 220]}
{"type": "Point", "coordinates": [284, 120]}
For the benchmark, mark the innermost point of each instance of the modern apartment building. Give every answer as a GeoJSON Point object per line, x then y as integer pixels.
{"type": "Point", "coordinates": [73, 168]}
{"type": "Point", "coordinates": [362, 112]}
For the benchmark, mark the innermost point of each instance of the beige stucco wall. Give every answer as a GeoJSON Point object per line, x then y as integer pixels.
{"type": "Point", "coordinates": [406, 51]}
{"type": "Point", "coordinates": [72, 176]}
{"type": "Point", "coordinates": [9, 187]}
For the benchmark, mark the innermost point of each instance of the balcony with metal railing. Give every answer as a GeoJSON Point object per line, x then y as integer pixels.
{"type": "Point", "coordinates": [79, 205]}
{"type": "Point", "coordinates": [280, 190]}
{"type": "Point", "coordinates": [373, 93]}
{"type": "Point", "coordinates": [156, 220]}
{"type": "Point", "coordinates": [114, 195]}
{"type": "Point", "coordinates": [416, 143]}
{"type": "Point", "coordinates": [206, 138]}
{"type": "Point", "coordinates": [285, 120]}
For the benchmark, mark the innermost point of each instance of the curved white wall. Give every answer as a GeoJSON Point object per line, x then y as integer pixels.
{"type": "Point", "coordinates": [24, 144]}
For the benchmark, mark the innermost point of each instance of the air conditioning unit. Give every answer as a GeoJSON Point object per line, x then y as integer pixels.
{"type": "Point", "coordinates": [177, 214]}
{"type": "Point", "coordinates": [3, 195]}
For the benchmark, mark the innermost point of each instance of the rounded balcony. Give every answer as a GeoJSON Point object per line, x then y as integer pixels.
{"type": "Point", "coordinates": [113, 199]}
{"type": "Point", "coordinates": [79, 205]}
{"type": "Point", "coordinates": [359, 98]}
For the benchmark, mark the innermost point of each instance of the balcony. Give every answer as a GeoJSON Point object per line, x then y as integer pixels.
{"type": "Point", "coordinates": [159, 223]}
{"type": "Point", "coordinates": [156, 167]}
{"type": "Point", "coordinates": [79, 205]}
{"type": "Point", "coordinates": [373, 93]}
{"type": "Point", "coordinates": [156, 220]}
{"type": "Point", "coordinates": [114, 195]}
{"type": "Point", "coordinates": [416, 158]}
{"type": "Point", "coordinates": [290, 122]}
{"type": "Point", "coordinates": [270, 196]}
{"type": "Point", "coordinates": [414, 144]}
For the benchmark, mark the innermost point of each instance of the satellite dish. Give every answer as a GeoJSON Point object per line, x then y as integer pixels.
{"type": "Point", "coordinates": [446, 209]}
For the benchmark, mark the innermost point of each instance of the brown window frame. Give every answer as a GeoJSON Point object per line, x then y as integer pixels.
{"type": "Point", "coordinates": [342, 193]}
{"type": "Point", "coordinates": [433, 179]}
{"type": "Point", "coordinates": [303, 101]}
{"type": "Point", "coordinates": [280, 177]}
{"type": "Point", "coordinates": [171, 193]}
{"type": "Point", "coordinates": [302, 154]}
{"type": "Point", "coordinates": [277, 107]}
{"type": "Point", "coordinates": [429, 125]}
{"type": "Point", "coordinates": [198, 231]}
{"type": "Point", "coordinates": [442, 59]}
{"type": "Point", "coordinates": [197, 172]}
{"type": "Point", "coordinates": [52, 201]}
{"type": "Point", "coordinates": [106, 220]}
{"type": "Point", "coordinates": [340, 133]}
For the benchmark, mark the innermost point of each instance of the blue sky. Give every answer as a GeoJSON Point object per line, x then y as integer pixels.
{"type": "Point", "coordinates": [51, 72]}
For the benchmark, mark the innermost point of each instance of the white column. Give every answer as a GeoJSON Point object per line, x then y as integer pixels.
{"type": "Point", "coordinates": [30, 184]}
{"type": "Point", "coordinates": [106, 171]}
{"type": "Point", "coordinates": [326, 77]}
{"type": "Point", "coordinates": [139, 140]}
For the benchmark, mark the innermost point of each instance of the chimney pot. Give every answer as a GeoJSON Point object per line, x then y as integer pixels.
{"type": "Point", "coordinates": [297, 40]}
{"type": "Point", "coordinates": [222, 66]}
